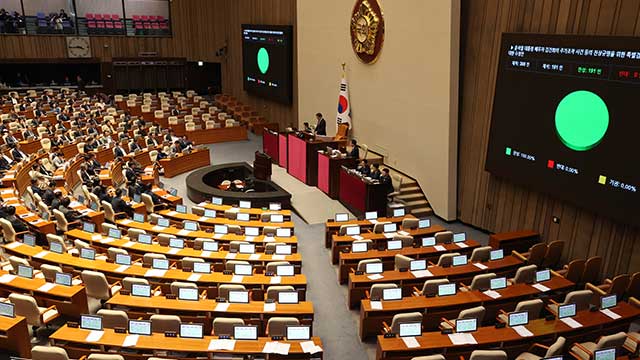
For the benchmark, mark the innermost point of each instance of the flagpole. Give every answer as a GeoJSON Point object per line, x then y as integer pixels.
{"type": "Point", "coordinates": [344, 72]}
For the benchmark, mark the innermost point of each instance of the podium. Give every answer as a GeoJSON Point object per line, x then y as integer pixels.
{"type": "Point", "coordinates": [262, 166]}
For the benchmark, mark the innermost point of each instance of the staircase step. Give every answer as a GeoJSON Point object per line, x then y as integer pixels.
{"type": "Point", "coordinates": [410, 196]}
{"type": "Point", "coordinates": [417, 203]}
{"type": "Point", "coordinates": [422, 212]}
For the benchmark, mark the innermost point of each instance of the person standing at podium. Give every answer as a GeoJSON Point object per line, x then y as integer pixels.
{"type": "Point", "coordinates": [355, 151]}
{"type": "Point", "coordinates": [321, 126]}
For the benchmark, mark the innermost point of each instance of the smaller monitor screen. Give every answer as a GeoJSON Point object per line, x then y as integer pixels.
{"type": "Point", "coordinates": [459, 237]}
{"type": "Point", "coordinates": [163, 222]}
{"type": "Point", "coordinates": [424, 223]}
{"type": "Point", "coordinates": [275, 206]}
{"type": "Point", "coordinates": [238, 296]}
{"type": "Point", "coordinates": [245, 332]}
{"type": "Point", "coordinates": [29, 239]}
{"type": "Point", "coordinates": [607, 302]}
{"type": "Point", "coordinates": [543, 275]}
{"type": "Point", "coordinates": [137, 217]}
{"type": "Point", "coordinates": [243, 204]}
{"type": "Point", "coordinates": [417, 265]}
{"type": "Point", "coordinates": [209, 246]}
{"type": "Point", "coordinates": [358, 247]}
{"type": "Point", "coordinates": [496, 254]}
{"type": "Point", "coordinates": [136, 198]}
{"type": "Point", "coordinates": [389, 228]}
{"type": "Point", "coordinates": [247, 248]}
{"type": "Point", "coordinates": [518, 318]}
{"type": "Point", "coordinates": [283, 232]}
{"type": "Point", "coordinates": [63, 279]}
{"type": "Point", "coordinates": [123, 259]}
{"type": "Point", "coordinates": [91, 322]}
{"type": "Point", "coordinates": [161, 264]}
{"type": "Point", "coordinates": [243, 216]}
{"type": "Point", "coordinates": [87, 253]}
{"type": "Point", "coordinates": [176, 243]}
{"type": "Point", "coordinates": [298, 332]}
{"type": "Point", "coordinates": [220, 229]}
{"type": "Point", "coordinates": [191, 331]}
{"type": "Point", "coordinates": [398, 212]}
{"type": "Point", "coordinates": [429, 241]}
{"type": "Point", "coordinates": [210, 213]}
{"type": "Point", "coordinates": [283, 249]}
{"type": "Point", "coordinates": [447, 289]}
{"type": "Point", "coordinates": [7, 309]}
{"type": "Point", "coordinates": [142, 290]}
{"type": "Point", "coordinates": [371, 215]}
{"type": "Point", "coordinates": [93, 206]}
{"type": "Point", "coordinates": [341, 217]}
{"type": "Point", "coordinates": [466, 325]}
{"type": "Point", "coordinates": [288, 297]}
{"type": "Point", "coordinates": [243, 269]}
{"type": "Point", "coordinates": [567, 310]}
{"type": "Point", "coordinates": [140, 327]}
{"type": "Point", "coordinates": [374, 268]}
{"type": "Point", "coordinates": [88, 227]}
{"type": "Point", "coordinates": [413, 328]}
{"type": "Point", "coordinates": [202, 267]}
{"type": "Point", "coordinates": [181, 209]}
{"type": "Point", "coordinates": [277, 218]}
{"type": "Point", "coordinates": [284, 270]}
{"type": "Point", "coordinates": [145, 239]}
{"type": "Point", "coordinates": [25, 271]}
{"type": "Point", "coordinates": [251, 231]}
{"type": "Point", "coordinates": [352, 230]}
{"type": "Point", "coordinates": [394, 244]}
{"type": "Point", "coordinates": [56, 247]}
{"type": "Point", "coordinates": [188, 294]}
{"type": "Point", "coordinates": [459, 260]}
{"type": "Point", "coordinates": [173, 192]}
{"type": "Point", "coordinates": [605, 354]}
{"type": "Point", "coordinates": [392, 294]}
{"type": "Point", "coordinates": [216, 200]}
{"type": "Point", "coordinates": [115, 233]}
{"type": "Point", "coordinates": [498, 283]}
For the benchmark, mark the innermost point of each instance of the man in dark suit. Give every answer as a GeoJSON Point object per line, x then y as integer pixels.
{"type": "Point", "coordinates": [18, 225]}
{"type": "Point", "coordinates": [118, 152]}
{"type": "Point", "coordinates": [129, 173]}
{"type": "Point", "coordinates": [321, 126]}
{"type": "Point", "coordinates": [69, 214]}
{"type": "Point", "coordinates": [385, 179]}
{"type": "Point", "coordinates": [363, 168]}
{"type": "Point", "coordinates": [355, 150]}
{"type": "Point", "coordinates": [17, 154]}
{"type": "Point", "coordinates": [49, 195]}
{"type": "Point", "coordinates": [119, 205]}
{"type": "Point", "coordinates": [375, 174]}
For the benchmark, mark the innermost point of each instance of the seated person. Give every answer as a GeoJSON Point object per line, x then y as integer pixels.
{"type": "Point", "coordinates": [363, 167]}
{"type": "Point", "coordinates": [121, 206]}
{"type": "Point", "coordinates": [18, 225]}
{"type": "Point", "coordinates": [49, 195]}
{"type": "Point", "coordinates": [375, 172]}
{"type": "Point", "coordinates": [69, 214]}
{"type": "Point", "coordinates": [35, 187]}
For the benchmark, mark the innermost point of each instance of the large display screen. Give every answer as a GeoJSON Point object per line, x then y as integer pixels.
{"type": "Point", "coordinates": [267, 61]}
{"type": "Point", "coordinates": [565, 120]}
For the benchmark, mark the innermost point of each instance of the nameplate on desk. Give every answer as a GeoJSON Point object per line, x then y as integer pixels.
{"type": "Point", "coordinates": [269, 307]}
{"type": "Point", "coordinates": [492, 294]}
{"type": "Point", "coordinates": [222, 307]}
{"type": "Point", "coordinates": [155, 273]}
{"type": "Point", "coordinates": [375, 277]}
{"type": "Point", "coordinates": [237, 278]}
{"type": "Point", "coordinates": [275, 280]}
{"type": "Point", "coordinates": [122, 268]}
{"type": "Point", "coordinates": [94, 336]}
{"type": "Point", "coordinates": [46, 287]}
{"type": "Point", "coordinates": [41, 254]}
{"type": "Point", "coordinates": [194, 277]}
{"type": "Point", "coordinates": [126, 221]}
{"type": "Point", "coordinates": [522, 331]}
{"type": "Point", "coordinates": [480, 266]}
{"type": "Point", "coordinates": [610, 314]}
{"type": "Point", "coordinates": [571, 323]}
{"type": "Point", "coordinates": [421, 273]}
{"type": "Point", "coordinates": [540, 287]}
{"type": "Point", "coordinates": [440, 248]}
{"type": "Point", "coordinates": [130, 340]}
{"type": "Point", "coordinates": [7, 278]}
{"type": "Point", "coordinates": [410, 342]}
{"type": "Point", "coordinates": [376, 305]}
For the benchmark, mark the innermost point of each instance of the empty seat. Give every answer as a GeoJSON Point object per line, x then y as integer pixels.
{"type": "Point", "coordinates": [362, 264]}
{"type": "Point", "coordinates": [35, 315]}
{"type": "Point", "coordinates": [376, 290]}
{"type": "Point", "coordinates": [223, 290]}
{"type": "Point", "coordinates": [488, 355]}
{"type": "Point", "coordinates": [555, 349]}
{"type": "Point", "coordinates": [533, 307]}
{"type": "Point", "coordinates": [277, 326]}
{"type": "Point", "coordinates": [585, 350]}
{"type": "Point", "coordinates": [39, 352]}
{"type": "Point", "coordinates": [582, 299]}
{"type": "Point", "coordinates": [273, 290]}
{"type": "Point", "coordinates": [105, 357]}
{"type": "Point", "coordinates": [444, 237]}
{"type": "Point", "coordinates": [481, 254]}
{"type": "Point", "coordinates": [177, 285]}
{"type": "Point", "coordinates": [446, 260]}
{"type": "Point", "coordinates": [431, 286]}
{"type": "Point", "coordinates": [399, 319]}
{"type": "Point", "coordinates": [165, 323]}
{"type": "Point", "coordinates": [113, 318]}
{"type": "Point", "coordinates": [525, 275]}
{"type": "Point", "coordinates": [477, 312]}
{"type": "Point", "coordinates": [480, 282]}
{"type": "Point", "coordinates": [224, 326]}
{"type": "Point", "coordinates": [97, 286]}
{"type": "Point", "coordinates": [402, 262]}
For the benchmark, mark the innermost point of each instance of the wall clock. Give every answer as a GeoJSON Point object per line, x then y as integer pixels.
{"type": "Point", "coordinates": [78, 47]}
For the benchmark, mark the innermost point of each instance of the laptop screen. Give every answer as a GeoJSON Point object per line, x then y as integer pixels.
{"type": "Point", "coordinates": [410, 329]}
{"type": "Point", "coordinates": [498, 283]}
{"type": "Point", "coordinates": [298, 332]}
{"type": "Point", "coordinates": [275, 206]}
{"type": "Point", "coordinates": [518, 318]}
{"type": "Point", "coordinates": [142, 290]}
{"type": "Point", "coordinates": [358, 247]}
{"type": "Point", "coordinates": [209, 246]}
{"type": "Point", "coordinates": [243, 216]}
{"type": "Point", "coordinates": [466, 325]}
{"type": "Point", "coordinates": [392, 294]}
{"type": "Point", "coordinates": [459, 237]}
{"type": "Point", "coordinates": [163, 222]}
{"type": "Point", "coordinates": [251, 231]}
{"type": "Point", "coordinates": [140, 327]}
{"type": "Point", "coordinates": [496, 254]}
{"type": "Point", "coordinates": [216, 200]}
{"type": "Point", "coordinates": [394, 244]}
{"type": "Point", "coordinates": [371, 215]}
{"type": "Point", "coordinates": [277, 218]}
{"type": "Point", "coordinates": [398, 212]}
{"type": "Point", "coordinates": [424, 223]}
{"type": "Point", "coordinates": [210, 213]}
{"type": "Point", "coordinates": [91, 322]}
{"type": "Point", "coordinates": [607, 302]}
{"type": "Point", "coordinates": [245, 332]}
{"type": "Point", "coordinates": [373, 268]}
{"type": "Point", "coordinates": [543, 275]}
{"type": "Point", "coordinates": [56, 247]}
{"type": "Point", "coordinates": [567, 310]}
{"type": "Point", "coordinates": [389, 228]}
{"type": "Point", "coordinates": [137, 217]}
{"type": "Point", "coordinates": [191, 331]}
{"type": "Point", "coordinates": [284, 270]}
{"type": "Point", "coordinates": [605, 354]}
{"type": "Point", "coordinates": [25, 271]}
{"type": "Point", "coordinates": [447, 289]}
{"type": "Point", "coordinates": [220, 229]}
{"type": "Point", "coordinates": [188, 294]}
{"type": "Point", "coordinates": [173, 192]}
{"type": "Point", "coordinates": [417, 265]}
{"type": "Point", "coordinates": [87, 253]}
{"type": "Point", "coordinates": [181, 209]}
{"type": "Point", "coordinates": [352, 230]}
{"type": "Point", "coordinates": [459, 260]}
{"type": "Point", "coordinates": [63, 279]}
{"type": "Point", "coordinates": [283, 249]}
{"type": "Point", "coordinates": [243, 204]}
{"type": "Point", "coordinates": [238, 296]}
{"type": "Point", "coordinates": [115, 233]}
{"type": "Point", "coordinates": [283, 232]}
{"type": "Point", "coordinates": [161, 264]}
{"type": "Point", "coordinates": [243, 269]}
{"type": "Point", "coordinates": [88, 227]}
{"type": "Point", "coordinates": [247, 248]}
{"type": "Point", "coordinates": [202, 267]}
{"type": "Point", "coordinates": [176, 243]}
{"type": "Point", "coordinates": [428, 241]}
{"type": "Point", "coordinates": [341, 217]}
{"type": "Point", "coordinates": [7, 309]}
{"type": "Point", "coordinates": [123, 259]}
{"type": "Point", "coordinates": [288, 297]}
{"type": "Point", "coordinates": [29, 239]}
{"type": "Point", "coordinates": [145, 239]}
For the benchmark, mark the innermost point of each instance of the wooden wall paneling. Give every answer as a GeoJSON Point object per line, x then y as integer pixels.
{"type": "Point", "coordinates": [498, 205]}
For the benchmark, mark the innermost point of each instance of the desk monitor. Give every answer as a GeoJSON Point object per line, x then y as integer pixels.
{"type": "Point", "coordinates": [247, 249]}
{"type": "Point", "coordinates": [7, 309]}
{"type": "Point", "coordinates": [145, 239]}
{"type": "Point", "coordinates": [608, 302]}
{"type": "Point", "coordinates": [413, 328]}
{"type": "Point", "coordinates": [565, 311]}
{"type": "Point", "coordinates": [298, 332]}
{"type": "Point", "coordinates": [220, 229]}
{"type": "Point", "coordinates": [243, 269]}
{"type": "Point", "coordinates": [496, 255]}
{"type": "Point", "coordinates": [284, 270]}
{"type": "Point", "coordinates": [176, 243]}
{"type": "Point", "coordinates": [341, 217]}
{"type": "Point", "coordinates": [498, 283]}
{"type": "Point", "coordinates": [202, 267]}
{"type": "Point", "coordinates": [417, 265]}
{"type": "Point", "coordinates": [137, 217]}
{"type": "Point", "coordinates": [459, 237]}
{"type": "Point", "coordinates": [114, 233]}
{"type": "Point", "coordinates": [88, 227]}
{"type": "Point", "coordinates": [251, 231]}
{"type": "Point", "coordinates": [424, 223]}
{"type": "Point", "coordinates": [277, 218]}
{"type": "Point", "coordinates": [163, 222]}
{"type": "Point", "coordinates": [190, 294]}
{"type": "Point", "coordinates": [56, 247]}
{"type": "Point", "coordinates": [605, 354]}
{"type": "Point", "coordinates": [29, 239]}
{"type": "Point", "coordinates": [25, 271]}
{"type": "Point", "coordinates": [244, 204]}
{"type": "Point", "coordinates": [93, 206]}
{"type": "Point", "coordinates": [392, 294]}
{"type": "Point", "coordinates": [209, 213]}
{"type": "Point", "coordinates": [282, 249]}
{"type": "Point", "coordinates": [243, 216]}
{"type": "Point", "coordinates": [371, 215]}
{"type": "Point", "coordinates": [238, 296]}
{"type": "Point", "coordinates": [390, 228]}
{"type": "Point", "coordinates": [466, 325]}
{"type": "Point", "coordinates": [91, 322]}
{"type": "Point", "coordinates": [136, 198]}
{"type": "Point", "coordinates": [428, 241]}
{"type": "Point", "coordinates": [160, 264]}
{"type": "Point", "coordinates": [352, 230]}
{"type": "Point", "coordinates": [87, 253]}
{"type": "Point", "coordinates": [373, 268]}
{"type": "Point", "coordinates": [394, 244]}
{"type": "Point", "coordinates": [245, 332]}
{"type": "Point", "coordinates": [283, 232]}
{"type": "Point", "coordinates": [359, 247]}
{"type": "Point", "coordinates": [142, 290]}
{"type": "Point", "coordinates": [209, 246]}
{"type": "Point", "coordinates": [181, 209]}
{"type": "Point", "coordinates": [173, 192]}
{"type": "Point", "coordinates": [123, 259]}
{"type": "Point", "coordinates": [275, 206]}
{"type": "Point", "coordinates": [190, 226]}
{"type": "Point", "coordinates": [216, 200]}
{"type": "Point", "coordinates": [459, 260]}
{"type": "Point", "coordinates": [447, 289]}
{"type": "Point", "coordinates": [63, 279]}
{"type": "Point", "coordinates": [191, 331]}
{"type": "Point", "coordinates": [81, 199]}
{"type": "Point", "coordinates": [140, 327]}
{"type": "Point", "coordinates": [288, 297]}
{"type": "Point", "coordinates": [399, 212]}
{"type": "Point", "coordinates": [518, 318]}
{"type": "Point", "coordinates": [543, 275]}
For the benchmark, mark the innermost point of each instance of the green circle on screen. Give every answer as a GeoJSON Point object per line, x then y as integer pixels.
{"type": "Point", "coordinates": [582, 120]}
{"type": "Point", "coordinates": [263, 60]}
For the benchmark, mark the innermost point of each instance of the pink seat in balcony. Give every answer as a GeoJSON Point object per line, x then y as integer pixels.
{"type": "Point", "coordinates": [89, 16]}
{"type": "Point", "coordinates": [136, 17]}
{"type": "Point", "coordinates": [98, 17]}
{"type": "Point", "coordinates": [115, 17]}
{"type": "Point", "coordinates": [91, 24]}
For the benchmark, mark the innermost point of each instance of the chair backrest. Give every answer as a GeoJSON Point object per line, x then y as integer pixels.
{"type": "Point", "coordinates": [408, 224]}
{"type": "Point", "coordinates": [557, 348]}
{"type": "Point", "coordinates": [177, 285]}
{"type": "Point", "coordinates": [404, 318]}
{"type": "Point", "coordinates": [231, 215]}
{"type": "Point", "coordinates": [223, 290]}
{"type": "Point", "coordinates": [96, 284]}
{"type": "Point", "coordinates": [113, 318]}
{"type": "Point", "coordinates": [272, 291]}
{"type": "Point", "coordinates": [61, 221]}
{"type": "Point", "coordinates": [187, 262]}
{"type": "Point", "coordinates": [447, 259]}
{"type": "Point", "coordinates": [376, 290]}
{"type": "Point", "coordinates": [482, 281]}
{"type": "Point", "coordinates": [525, 274]}
{"type": "Point", "coordinates": [537, 253]}
{"type": "Point", "coordinates": [633, 290]}
{"type": "Point", "coordinates": [27, 307]}
{"type": "Point", "coordinates": [611, 341]}
{"type": "Point", "coordinates": [147, 259]}
{"type": "Point", "coordinates": [575, 269]}
{"type": "Point", "coordinates": [273, 265]}
{"type": "Point", "coordinates": [128, 281]}
{"type": "Point", "coordinates": [582, 299]}
{"type": "Point", "coordinates": [277, 326]}
{"type": "Point", "coordinates": [15, 262]}
{"type": "Point", "coordinates": [378, 228]}
{"type": "Point", "coordinates": [429, 357]}
{"type": "Point", "coordinates": [481, 254]}
{"type": "Point", "coordinates": [342, 131]}
{"type": "Point", "coordinates": [477, 312]}
{"type": "Point", "coordinates": [431, 286]}
{"type": "Point", "coordinates": [269, 230]}
{"type": "Point", "coordinates": [443, 237]}
{"type": "Point", "coordinates": [79, 244]}
{"type": "Point", "coordinates": [401, 261]}
{"type": "Point", "coordinates": [109, 214]}
{"type": "Point", "coordinates": [165, 239]}
{"type": "Point", "coordinates": [50, 271]}
{"type": "Point", "coordinates": [591, 272]}
{"type": "Point", "coordinates": [164, 323]}
{"type": "Point", "coordinates": [224, 326]}
{"type": "Point", "coordinates": [533, 307]}
{"type": "Point", "coordinates": [106, 227]}
{"type": "Point", "coordinates": [619, 285]}
{"type": "Point", "coordinates": [48, 353]}
{"type": "Point", "coordinates": [488, 355]}
{"type": "Point", "coordinates": [105, 357]}
{"type": "Point", "coordinates": [362, 264]}
{"type": "Point", "coordinates": [8, 231]}
{"type": "Point", "coordinates": [134, 233]}
{"type": "Point", "coordinates": [407, 240]}
{"type": "Point", "coordinates": [553, 255]}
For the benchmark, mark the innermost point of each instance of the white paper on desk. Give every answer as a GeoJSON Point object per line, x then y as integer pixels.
{"type": "Point", "coordinates": [480, 266]}
{"type": "Point", "coordinates": [235, 210]}
{"type": "Point", "coordinates": [130, 340]}
{"type": "Point", "coordinates": [6, 278]}
{"type": "Point", "coordinates": [254, 257]}
{"type": "Point", "coordinates": [6, 191]}
{"type": "Point", "coordinates": [610, 314]}
{"type": "Point", "coordinates": [202, 204]}
{"type": "Point", "coordinates": [225, 344]}
{"type": "Point", "coordinates": [13, 245]}
{"type": "Point", "coordinates": [375, 277]}
{"type": "Point", "coordinates": [230, 256]}
{"type": "Point", "coordinates": [270, 347]}
{"type": "Point", "coordinates": [376, 305]}
{"type": "Point", "coordinates": [203, 219]}
{"type": "Point", "coordinates": [269, 307]}
{"type": "Point", "coordinates": [194, 277]}
{"type": "Point", "coordinates": [540, 287]}
{"type": "Point", "coordinates": [128, 244]}
{"type": "Point", "coordinates": [277, 257]}
{"type": "Point", "coordinates": [157, 228]}
{"type": "Point", "coordinates": [269, 239]}
{"type": "Point", "coordinates": [237, 278]}
{"type": "Point", "coordinates": [184, 232]}
{"type": "Point", "coordinates": [122, 268]}
{"type": "Point", "coordinates": [249, 238]}
{"type": "Point", "coordinates": [440, 248]}
{"type": "Point", "coordinates": [462, 245]}
{"type": "Point", "coordinates": [282, 349]}
{"type": "Point", "coordinates": [46, 287]}
{"type": "Point", "coordinates": [222, 307]}
{"type": "Point", "coordinates": [94, 336]}
{"type": "Point", "coordinates": [275, 280]}
{"type": "Point", "coordinates": [74, 204]}
{"type": "Point", "coordinates": [357, 237]}
{"type": "Point", "coordinates": [492, 294]}
{"type": "Point", "coordinates": [571, 323]}
{"type": "Point", "coordinates": [373, 221]}
{"type": "Point", "coordinates": [205, 253]}
{"type": "Point", "coordinates": [96, 237]}
{"type": "Point", "coordinates": [173, 251]}
{"type": "Point", "coordinates": [41, 254]}
{"type": "Point", "coordinates": [155, 273]}
{"type": "Point", "coordinates": [410, 342]}
{"type": "Point", "coordinates": [522, 331]}
{"type": "Point", "coordinates": [309, 347]}
{"type": "Point", "coordinates": [36, 221]}
{"type": "Point", "coordinates": [421, 273]}
{"type": "Point", "coordinates": [462, 339]}
{"type": "Point", "coordinates": [126, 221]}
{"type": "Point", "coordinates": [389, 235]}
{"type": "Point", "coordinates": [218, 236]}
{"type": "Point", "coordinates": [172, 213]}
{"type": "Point", "coordinates": [403, 233]}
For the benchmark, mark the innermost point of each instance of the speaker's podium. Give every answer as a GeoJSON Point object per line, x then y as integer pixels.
{"type": "Point", "coordinates": [262, 166]}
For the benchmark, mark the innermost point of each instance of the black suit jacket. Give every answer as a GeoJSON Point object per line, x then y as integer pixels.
{"type": "Point", "coordinates": [321, 128]}
{"type": "Point", "coordinates": [119, 152]}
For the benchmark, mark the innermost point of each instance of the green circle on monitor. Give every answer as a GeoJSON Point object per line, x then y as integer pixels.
{"type": "Point", "coordinates": [263, 60]}
{"type": "Point", "coordinates": [582, 120]}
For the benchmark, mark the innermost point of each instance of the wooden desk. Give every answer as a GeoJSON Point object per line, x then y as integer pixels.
{"type": "Point", "coordinates": [14, 336]}
{"type": "Point", "coordinates": [435, 308]}
{"type": "Point", "coordinates": [360, 196]}
{"type": "Point", "coordinates": [176, 216]}
{"type": "Point", "coordinates": [349, 260]}
{"type": "Point", "coordinates": [358, 284]}
{"type": "Point", "coordinates": [520, 241]}
{"type": "Point", "coordinates": [166, 197]}
{"type": "Point", "coordinates": [594, 325]}
{"type": "Point", "coordinates": [329, 172]}
{"type": "Point", "coordinates": [332, 227]}
{"type": "Point", "coordinates": [185, 162]}
{"type": "Point", "coordinates": [36, 224]}
{"type": "Point", "coordinates": [66, 337]}
{"type": "Point", "coordinates": [210, 136]}
{"type": "Point", "coordinates": [302, 160]}
{"type": "Point", "coordinates": [30, 146]}
{"type": "Point", "coordinates": [254, 212]}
